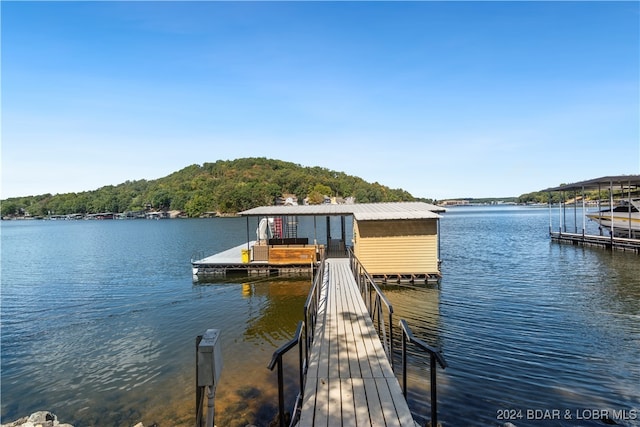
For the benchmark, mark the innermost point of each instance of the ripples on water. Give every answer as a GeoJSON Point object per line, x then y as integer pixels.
{"type": "Point", "coordinates": [525, 324]}
{"type": "Point", "coordinates": [99, 321]}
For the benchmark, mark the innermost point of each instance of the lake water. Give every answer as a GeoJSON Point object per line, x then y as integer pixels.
{"type": "Point", "coordinates": [99, 320]}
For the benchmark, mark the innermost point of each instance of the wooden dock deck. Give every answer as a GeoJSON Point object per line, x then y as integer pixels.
{"type": "Point", "coordinates": [349, 381]}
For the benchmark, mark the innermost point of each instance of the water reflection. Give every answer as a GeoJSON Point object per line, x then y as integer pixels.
{"type": "Point", "coordinates": [419, 305]}
{"type": "Point", "coordinates": [524, 323]}
{"type": "Point", "coordinates": [267, 312]}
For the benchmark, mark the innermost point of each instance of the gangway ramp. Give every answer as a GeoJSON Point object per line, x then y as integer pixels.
{"type": "Point", "coordinates": [349, 381]}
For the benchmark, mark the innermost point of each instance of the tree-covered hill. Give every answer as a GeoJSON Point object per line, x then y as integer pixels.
{"type": "Point", "coordinates": [225, 186]}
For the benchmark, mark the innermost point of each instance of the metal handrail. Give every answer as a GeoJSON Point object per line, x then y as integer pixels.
{"type": "Point", "coordinates": [374, 304]}
{"type": "Point", "coordinates": [310, 310]}
{"type": "Point", "coordinates": [277, 360]}
{"type": "Point", "coordinates": [435, 355]}
{"type": "Point", "coordinates": [304, 333]}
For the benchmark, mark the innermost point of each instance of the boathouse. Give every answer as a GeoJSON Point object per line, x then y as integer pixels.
{"type": "Point", "coordinates": [397, 242]}
{"type": "Point", "coordinates": [393, 241]}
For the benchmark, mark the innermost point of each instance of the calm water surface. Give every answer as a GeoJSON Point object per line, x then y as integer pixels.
{"type": "Point", "coordinates": [99, 321]}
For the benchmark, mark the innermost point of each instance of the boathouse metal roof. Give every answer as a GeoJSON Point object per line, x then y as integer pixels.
{"type": "Point", "coordinates": [615, 181]}
{"type": "Point", "coordinates": [360, 211]}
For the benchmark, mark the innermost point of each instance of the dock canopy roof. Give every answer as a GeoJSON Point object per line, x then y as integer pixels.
{"type": "Point", "coordinates": [360, 211]}
{"type": "Point", "coordinates": [617, 181]}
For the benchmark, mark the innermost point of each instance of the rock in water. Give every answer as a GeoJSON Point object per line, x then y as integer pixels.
{"type": "Point", "coordinates": [38, 419]}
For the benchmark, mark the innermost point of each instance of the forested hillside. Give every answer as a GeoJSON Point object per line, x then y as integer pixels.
{"type": "Point", "coordinates": [223, 186]}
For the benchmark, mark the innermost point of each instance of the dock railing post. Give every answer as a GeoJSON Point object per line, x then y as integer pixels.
{"type": "Point", "coordinates": [434, 392]}
{"type": "Point", "coordinates": [435, 355]}
{"type": "Point", "coordinates": [198, 389]}
{"type": "Point", "coordinates": [280, 393]}
{"type": "Point", "coordinates": [276, 360]}
{"type": "Point", "coordinates": [404, 364]}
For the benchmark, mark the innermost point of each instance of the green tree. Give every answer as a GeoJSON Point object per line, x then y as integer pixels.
{"type": "Point", "coordinates": [226, 185]}
{"type": "Point", "coordinates": [9, 209]}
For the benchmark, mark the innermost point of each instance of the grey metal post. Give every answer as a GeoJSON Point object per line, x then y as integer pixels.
{"type": "Point", "coordinates": [198, 388]}
{"type": "Point", "coordinates": [404, 362]}
{"type": "Point", "coordinates": [584, 214]}
{"type": "Point", "coordinates": [434, 393]}
{"type": "Point", "coordinates": [208, 369]}
{"type": "Point", "coordinates": [248, 237]}
{"type": "Point", "coordinates": [611, 209]}
{"type": "Point", "coordinates": [211, 392]}
{"type": "Point", "coordinates": [575, 212]}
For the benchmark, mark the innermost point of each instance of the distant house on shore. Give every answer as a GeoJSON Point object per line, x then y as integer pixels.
{"type": "Point", "coordinates": [287, 200]}
{"type": "Point", "coordinates": [454, 202]}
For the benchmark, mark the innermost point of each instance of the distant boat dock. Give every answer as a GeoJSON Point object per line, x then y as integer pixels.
{"type": "Point", "coordinates": [618, 215]}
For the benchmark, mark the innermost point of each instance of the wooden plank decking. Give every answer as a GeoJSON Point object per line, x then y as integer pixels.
{"type": "Point", "coordinates": [349, 381]}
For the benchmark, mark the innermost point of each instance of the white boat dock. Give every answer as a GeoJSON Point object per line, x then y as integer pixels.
{"type": "Point", "coordinates": [238, 260]}
{"type": "Point", "coordinates": [620, 189]}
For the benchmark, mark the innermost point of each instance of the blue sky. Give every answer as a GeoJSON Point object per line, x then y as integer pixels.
{"type": "Point", "coordinates": [442, 99]}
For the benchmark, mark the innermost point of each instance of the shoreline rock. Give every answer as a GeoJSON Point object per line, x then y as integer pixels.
{"type": "Point", "coordinates": [38, 419]}
{"type": "Point", "coordinates": [42, 419]}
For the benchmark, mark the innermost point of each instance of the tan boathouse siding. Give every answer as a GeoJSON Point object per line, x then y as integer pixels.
{"type": "Point", "coordinates": [397, 246]}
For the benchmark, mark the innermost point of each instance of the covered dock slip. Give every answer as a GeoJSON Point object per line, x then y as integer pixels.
{"type": "Point", "coordinates": [611, 219]}
{"type": "Point", "coordinates": [394, 241]}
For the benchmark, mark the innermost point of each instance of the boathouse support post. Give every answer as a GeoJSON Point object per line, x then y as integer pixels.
{"type": "Point", "coordinates": [343, 235]}
{"type": "Point", "coordinates": [248, 237]}
{"type": "Point", "coordinates": [629, 195]}
{"type": "Point", "coordinates": [560, 214]}
{"type": "Point", "coordinates": [575, 211]}
{"type": "Point", "coordinates": [611, 210]}
{"type": "Point", "coordinates": [328, 230]}
{"type": "Point", "coordinates": [563, 213]}
{"type": "Point", "coordinates": [599, 208]}
{"type": "Point", "coordinates": [584, 215]}
{"type": "Point", "coordinates": [550, 220]}
{"type": "Point", "coordinates": [315, 231]}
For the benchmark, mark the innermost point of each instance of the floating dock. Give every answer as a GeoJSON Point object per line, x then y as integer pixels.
{"type": "Point", "coordinates": [238, 260]}
{"type": "Point", "coordinates": [608, 242]}
{"type": "Point", "coordinates": [349, 381]}
{"type": "Point", "coordinates": [394, 241]}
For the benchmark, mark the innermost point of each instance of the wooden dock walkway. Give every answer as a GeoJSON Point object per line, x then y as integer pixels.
{"type": "Point", "coordinates": [349, 381]}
